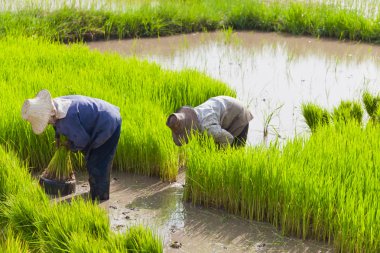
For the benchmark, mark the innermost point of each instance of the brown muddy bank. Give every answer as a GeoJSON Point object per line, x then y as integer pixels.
{"type": "Point", "coordinates": [144, 200]}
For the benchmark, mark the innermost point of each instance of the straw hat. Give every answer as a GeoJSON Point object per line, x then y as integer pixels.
{"type": "Point", "coordinates": [38, 111]}
{"type": "Point", "coordinates": [181, 123]}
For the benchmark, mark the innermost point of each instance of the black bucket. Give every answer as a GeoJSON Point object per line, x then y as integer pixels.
{"type": "Point", "coordinates": [54, 187]}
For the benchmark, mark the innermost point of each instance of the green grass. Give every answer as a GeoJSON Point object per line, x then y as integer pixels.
{"type": "Point", "coordinates": [161, 18]}
{"type": "Point", "coordinates": [145, 93]}
{"type": "Point", "coordinates": [29, 220]}
{"type": "Point", "coordinates": [325, 187]}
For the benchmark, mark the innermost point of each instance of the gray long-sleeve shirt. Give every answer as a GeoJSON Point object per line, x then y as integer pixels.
{"type": "Point", "coordinates": [223, 117]}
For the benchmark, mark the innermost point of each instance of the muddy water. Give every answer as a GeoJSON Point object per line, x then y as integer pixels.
{"type": "Point", "coordinates": [273, 74]}
{"type": "Point", "coordinates": [148, 201]}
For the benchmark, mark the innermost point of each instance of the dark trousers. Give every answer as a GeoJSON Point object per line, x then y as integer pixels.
{"type": "Point", "coordinates": [241, 139]}
{"type": "Point", "coordinates": [99, 163]}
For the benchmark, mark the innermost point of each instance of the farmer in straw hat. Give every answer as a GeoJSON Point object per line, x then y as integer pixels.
{"type": "Point", "coordinates": [91, 126]}
{"type": "Point", "coordinates": [224, 118]}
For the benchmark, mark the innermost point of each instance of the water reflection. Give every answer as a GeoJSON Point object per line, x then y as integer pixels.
{"type": "Point", "coordinates": [141, 200]}
{"type": "Point", "coordinates": [210, 230]}
{"type": "Point", "coordinates": [268, 71]}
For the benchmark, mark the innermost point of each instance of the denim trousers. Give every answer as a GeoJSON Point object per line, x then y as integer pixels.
{"type": "Point", "coordinates": [99, 164]}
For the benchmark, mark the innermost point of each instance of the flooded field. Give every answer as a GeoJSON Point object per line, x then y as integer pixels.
{"type": "Point", "coordinates": [273, 74]}
{"type": "Point", "coordinates": [125, 5]}
{"type": "Point", "coordinates": [143, 200]}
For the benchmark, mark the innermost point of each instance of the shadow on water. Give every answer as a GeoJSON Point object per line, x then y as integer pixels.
{"type": "Point", "coordinates": [143, 200]}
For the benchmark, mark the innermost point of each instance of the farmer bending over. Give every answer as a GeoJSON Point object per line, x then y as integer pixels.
{"type": "Point", "coordinates": [224, 118]}
{"type": "Point", "coordinates": [90, 125]}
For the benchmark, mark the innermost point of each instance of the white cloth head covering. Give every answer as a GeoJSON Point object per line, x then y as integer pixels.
{"type": "Point", "coordinates": [38, 111]}
{"type": "Point", "coordinates": [61, 107]}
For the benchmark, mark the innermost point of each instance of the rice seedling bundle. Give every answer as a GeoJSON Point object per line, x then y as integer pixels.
{"type": "Point", "coordinates": [315, 116]}
{"type": "Point", "coordinates": [60, 167]}
{"type": "Point", "coordinates": [325, 187]}
{"type": "Point", "coordinates": [372, 106]}
{"type": "Point", "coordinates": [145, 93]}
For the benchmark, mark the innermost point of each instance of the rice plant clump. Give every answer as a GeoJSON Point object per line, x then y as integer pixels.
{"type": "Point", "coordinates": [11, 243]}
{"type": "Point", "coordinates": [315, 116]}
{"type": "Point", "coordinates": [60, 167]}
{"type": "Point", "coordinates": [348, 111]}
{"type": "Point", "coordinates": [371, 105]}
{"type": "Point", "coordinates": [325, 187]}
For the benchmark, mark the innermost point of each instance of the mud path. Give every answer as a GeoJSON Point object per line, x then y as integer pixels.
{"type": "Point", "coordinates": [185, 228]}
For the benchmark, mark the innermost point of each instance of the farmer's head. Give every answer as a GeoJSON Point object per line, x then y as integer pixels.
{"type": "Point", "coordinates": [38, 111]}
{"type": "Point", "coordinates": [181, 123]}
{"type": "Point", "coordinates": [42, 110]}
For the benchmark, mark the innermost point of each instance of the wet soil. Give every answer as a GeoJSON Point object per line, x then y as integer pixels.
{"type": "Point", "coordinates": [272, 73]}
{"type": "Point", "coordinates": [185, 228]}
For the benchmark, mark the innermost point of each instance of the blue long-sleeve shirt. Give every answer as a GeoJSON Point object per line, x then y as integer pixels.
{"type": "Point", "coordinates": [89, 122]}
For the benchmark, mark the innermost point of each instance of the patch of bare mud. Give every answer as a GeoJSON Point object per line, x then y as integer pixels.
{"type": "Point", "coordinates": [185, 228]}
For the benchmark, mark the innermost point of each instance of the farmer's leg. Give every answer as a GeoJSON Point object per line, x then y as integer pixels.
{"type": "Point", "coordinates": [99, 163]}
{"type": "Point", "coordinates": [241, 139]}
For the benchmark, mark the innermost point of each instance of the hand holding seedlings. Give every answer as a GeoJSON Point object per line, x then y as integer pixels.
{"type": "Point", "coordinates": [90, 125]}
{"type": "Point", "coordinates": [62, 143]}
{"type": "Point", "coordinates": [57, 142]}
{"type": "Point", "coordinates": [224, 118]}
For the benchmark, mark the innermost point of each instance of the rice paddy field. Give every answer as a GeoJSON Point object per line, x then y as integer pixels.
{"type": "Point", "coordinates": [323, 186]}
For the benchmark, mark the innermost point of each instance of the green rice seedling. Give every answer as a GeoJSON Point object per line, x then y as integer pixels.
{"type": "Point", "coordinates": [371, 105]}
{"type": "Point", "coordinates": [347, 111]}
{"type": "Point", "coordinates": [324, 187]}
{"type": "Point", "coordinates": [60, 167]}
{"type": "Point", "coordinates": [315, 116]}
{"type": "Point", "coordinates": [136, 239]}
{"type": "Point", "coordinates": [227, 35]}
{"type": "Point", "coordinates": [52, 227]}
{"type": "Point", "coordinates": [145, 94]}
{"type": "Point", "coordinates": [15, 179]}
{"type": "Point", "coordinates": [13, 244]}
{"type": "Point", "coordinates": [268, 118]}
